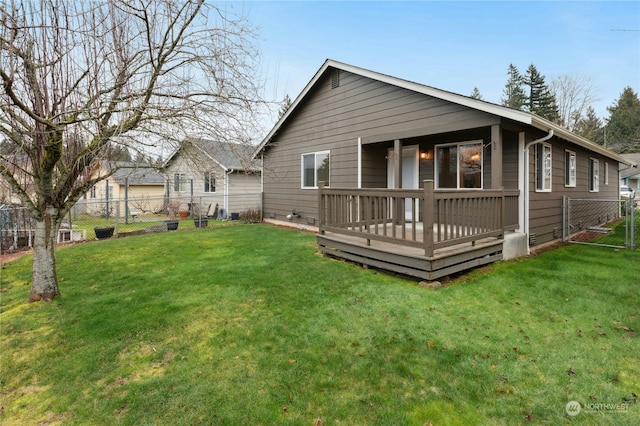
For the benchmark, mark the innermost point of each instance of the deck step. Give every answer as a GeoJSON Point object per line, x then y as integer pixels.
{"type": "Point", "coordinates": [409, 261]}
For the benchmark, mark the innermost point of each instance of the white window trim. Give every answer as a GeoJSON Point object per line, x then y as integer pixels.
{"type": "Point", "coordinates": [204, 185]}
{"type": "Point", "coordinates": [594, 175]}
{"type": "Point", "coordinates": [606, 173]}
{"type": "Point", "coordinates": [181, 182]}
{"type": "Point", "coordinates": [536, 168]}
{"type": "Point", "coordinates": [315, 177]}
{"type": "Point", "coordinates": [457, 145]}
{"type": "Point", "coordinates": [572, 179]}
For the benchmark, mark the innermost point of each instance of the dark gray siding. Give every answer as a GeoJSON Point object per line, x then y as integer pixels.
{"type": "Point", "coordinates": [334, 119]}
{"type": "Point", "coordinates": [546, 207]}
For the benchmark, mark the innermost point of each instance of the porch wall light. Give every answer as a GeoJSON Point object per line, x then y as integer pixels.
{"type": "Point", "coordinates": [425, 155]}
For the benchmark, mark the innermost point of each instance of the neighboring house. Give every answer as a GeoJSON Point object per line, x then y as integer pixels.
{"type": "Point", "coordinates": [423, 169]}
{"type": "Point", "coordinates": [211, 173]}
{"type": "Point", "coordinates": [138, 188]}
{"type": "Point", "coordinates": [631, 175]}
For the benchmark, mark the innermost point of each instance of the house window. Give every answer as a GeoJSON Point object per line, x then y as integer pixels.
{"type": "Point", "coordinates": [209, 182]}
{"type": "Point", "coordinates": [315, 169]}
{"type": "Point", "coordinates": [459, 166]}
{"type": "Point", "coordinates": [570, 168]}
{"type": "Point", "coordinates": [92, 192]}
{"type": "Point", "coordinates": [594, 175]}
{"type": "Point", "coordinates": [178, 182]}
{"type": "Point", "coordinates": [606, 173]}
{"type": "Point", "coordinates": [543, 167]}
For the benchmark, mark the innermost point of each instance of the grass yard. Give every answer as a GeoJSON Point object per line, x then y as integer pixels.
{"type": "Point", "coordinates": [247, 325]}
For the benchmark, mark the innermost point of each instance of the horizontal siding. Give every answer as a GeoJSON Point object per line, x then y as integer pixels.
{"type": "Point", "coordinates": [334, 119]}
{"type": "Point", "coordinates": [546, 207]}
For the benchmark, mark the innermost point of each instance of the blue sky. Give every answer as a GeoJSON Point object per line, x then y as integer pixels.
{"type": "Point", "coordinates": [453, 46]}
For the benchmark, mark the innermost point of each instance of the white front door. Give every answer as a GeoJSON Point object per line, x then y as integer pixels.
{"type": "Point", "coordinates": [409, 173]}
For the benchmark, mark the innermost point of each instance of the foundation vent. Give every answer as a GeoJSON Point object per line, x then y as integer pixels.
{"type": "Point", "coordinates": [532, 239]}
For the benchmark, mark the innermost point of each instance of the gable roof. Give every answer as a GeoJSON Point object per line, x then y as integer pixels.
{"type": "Point", "coordinates": [488, 107]}
{"type": "Point", "coordinates": [135, 173]}
{"type": "Point", "coordinates": [230, 156]}
{"type": "Point", "coordinates": [138, 175]}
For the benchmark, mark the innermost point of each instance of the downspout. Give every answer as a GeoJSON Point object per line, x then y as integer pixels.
{"type": "Point", "coordinates": [226, 192]}
{"type": "Point", "coordinates": [526, 180]}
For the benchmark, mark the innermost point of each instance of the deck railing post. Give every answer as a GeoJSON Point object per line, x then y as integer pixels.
{"type": "Point", "coordinates": [321, 207]}
{"type": "Point", "coordinates": [503, 213]}
{"type": "Point", "coordinates": [427, 225]}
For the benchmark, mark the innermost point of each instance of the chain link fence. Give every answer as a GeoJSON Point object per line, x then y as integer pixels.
{"type": "Point", "coordinates": [609, 223]}
{"type": "Point", "coordinates": [99, 219]}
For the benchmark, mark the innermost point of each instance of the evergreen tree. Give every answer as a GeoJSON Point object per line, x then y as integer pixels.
{"type": "Point", "coordinates": [541, 100]}
{"type": "Point", "coordinates": [476, 94]}
{"type": "Point", "coordinates": [514, 95]}
{"type": "Point", "coordinates": [622, 131]}
{"type": "Point", "coordinates": [286, 104]}
{"type": "Point", "coordinates": [590, 127]}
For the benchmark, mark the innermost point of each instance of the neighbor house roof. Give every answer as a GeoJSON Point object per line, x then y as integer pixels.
{"type": "Point", "coordinates": [135, 174]}
{"type": "Point", "coordinates": [488, 107]}
{"type": "Point", "coordinates": [631, 171]}
{"type": "Point", "coordinates": [230, 156]}
{"type": "Point", "coordinates": [138, 175]}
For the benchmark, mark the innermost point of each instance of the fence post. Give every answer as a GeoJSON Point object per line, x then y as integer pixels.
{"type": "Point", "coordinates": [191, 209]}
{"type": "Point", "coordinates": [106, 213]}
{"type": "Point", "coordinates": [632, 225]}
{"type": "Point", "coordinates": [117, 217]}
{"type": "Point", "coordinates": [427, 222]}
{"type": "Point", "coordinates": [126, 200]}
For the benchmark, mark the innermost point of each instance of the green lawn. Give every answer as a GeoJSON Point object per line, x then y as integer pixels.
{"type": "Point", "coordinates": [248, 325]}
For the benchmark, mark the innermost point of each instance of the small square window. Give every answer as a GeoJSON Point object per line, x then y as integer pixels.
{"type": "Point", "coordinates": [315, 169]}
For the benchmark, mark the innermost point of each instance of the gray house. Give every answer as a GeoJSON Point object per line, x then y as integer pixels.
{"type": "Point", "coordinates": [214, 173]}
{"type": "Point", "coordinates": [631, 176]}
{"type": "Point", "coordinates": [421, 181]}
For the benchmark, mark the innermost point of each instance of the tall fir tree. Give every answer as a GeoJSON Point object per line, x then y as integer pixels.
{"type": "Point", "coordinates": [284, 107]}
{"type": "Point", "coordinates": [622, 131]}
{"type": "Point", "coordinates": [514, 95]}
{"type": "Point", "coordinates": [476, 94]}
{"type": "Point", "coordinates": [541, 100]}
{"type": "Point", "coordinates": [590, 127]}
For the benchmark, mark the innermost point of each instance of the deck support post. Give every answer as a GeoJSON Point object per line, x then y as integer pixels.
{"type": "Point", "coordinates": [321, 208]}
{"type": "Point", "coordinates": [397, 179]}
{"type": "Point", "coordinates": [496, 157]}
{"type": "Point", "coordinates": [427, 221]}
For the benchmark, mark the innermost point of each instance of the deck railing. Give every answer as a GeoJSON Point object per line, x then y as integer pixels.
{"type": "Point", "coordinates": [423, 218]}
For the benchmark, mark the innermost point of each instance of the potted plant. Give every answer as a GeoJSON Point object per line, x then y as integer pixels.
{"type": "Point", "coordinates": [173, 209]}
{"type": "Point", "coordinates": [103, 232]}
{"type": "Point", "coordinates": [201, 222]}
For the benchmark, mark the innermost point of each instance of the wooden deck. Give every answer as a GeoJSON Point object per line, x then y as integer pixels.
{"type": "Point", "coordinates": [422, 233]}
{"type": "Point", "coordinates": [411, 261]}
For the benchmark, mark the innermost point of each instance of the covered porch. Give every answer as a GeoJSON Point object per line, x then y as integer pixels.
{"type": "Point", "coordinates": [425, 233]}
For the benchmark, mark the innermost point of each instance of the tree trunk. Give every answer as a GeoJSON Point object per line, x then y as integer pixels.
{"type": "Point", "coordinates": [44, 283]}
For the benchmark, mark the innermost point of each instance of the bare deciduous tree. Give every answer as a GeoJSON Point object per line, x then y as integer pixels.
{"type": "Point", "coordinates": [574, 94]}
{"type": "Point", "coordinates": [79, 77]}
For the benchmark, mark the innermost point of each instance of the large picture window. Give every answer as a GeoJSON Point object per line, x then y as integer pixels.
{"type": "Point", "coordinates": [594, 175]}
{"type": "Point", "coordinates": [570, 168]}
{"type": "Point", "coordinates": [543, 167]}
{"type": "Point", "coordinates": [459, 166]}
{"type": "Point", "coordinates": [315, 169]}
{"type": "Point", "coordinates": [209, 182]}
